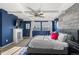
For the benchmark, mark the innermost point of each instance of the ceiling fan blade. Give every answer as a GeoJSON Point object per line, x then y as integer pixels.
{"type": "Point", "coordinates": [31, 9]}
{"type": "Point", "coordinates": [30, 16]}
{"type": "Point", "coordinates": [41, 16]}
{"type": "Point", "coordinates": [36, 13]}
{"type": "Point", "coordinates": [31, 13]}
{"type": "Point", "coordinates": [39, 10]}
{"type": "Point", "coordinates": [51, 11]}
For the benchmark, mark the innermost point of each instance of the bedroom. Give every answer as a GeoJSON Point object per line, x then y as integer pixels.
{"type": "Point", "coordinates": [36, 23]}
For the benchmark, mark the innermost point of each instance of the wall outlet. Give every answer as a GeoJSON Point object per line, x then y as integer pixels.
{"type": "Point", "coordinates": [6, 40]}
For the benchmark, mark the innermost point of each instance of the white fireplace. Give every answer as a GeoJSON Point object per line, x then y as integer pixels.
{"type": "Point", "coordinates": [17, 35]}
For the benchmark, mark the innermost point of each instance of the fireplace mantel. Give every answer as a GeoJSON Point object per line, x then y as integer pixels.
{"type": "Point", "coordinates": [17, 35]}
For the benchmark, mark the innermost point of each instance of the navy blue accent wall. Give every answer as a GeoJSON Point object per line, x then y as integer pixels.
{"type": "Point", "coordinates": [0, 28]}
{"type": "Point", "coordinates": [7, 26]}
{"type": "Point", "coordinates": [53, 27]}
{"type": "Point", "coordinates": [41, 26]}
{"type": "Point", "coordinates": [26, 32]}
{"type": "Point", "coordinates": [55, 24]}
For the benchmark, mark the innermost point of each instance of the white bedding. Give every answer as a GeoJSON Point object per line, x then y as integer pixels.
{"type": "Point", "coordinates": [45, 42]}
{"type": "Point", "coordinates": [38, 38]}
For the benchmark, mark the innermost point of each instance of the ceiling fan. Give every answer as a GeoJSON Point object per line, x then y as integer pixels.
{"type": "Point", "coordinates": [35, 13]}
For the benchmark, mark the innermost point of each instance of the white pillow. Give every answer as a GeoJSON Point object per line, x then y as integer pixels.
{"type": "Point", "coordinates": [47, 37]}
{"type": "Point", "coordinates": [62, 37]}
{"type": "Point", "coordinates": [38, 37]}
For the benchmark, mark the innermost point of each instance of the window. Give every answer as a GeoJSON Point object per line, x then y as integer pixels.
{"type": "Point", "coordinates": [27, 26]}
{"type": "Point", "coordinates": [37, 26]}
{"type": "Point", "coordinates": [45, 26]}
{"type": "Point", "coordinates": [42, 26]}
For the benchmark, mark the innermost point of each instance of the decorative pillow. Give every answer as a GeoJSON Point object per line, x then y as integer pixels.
{"type": "Point", "coordinates": [54, 35]}
{"type": "Point", "coordinates": [62, 37]}
{"type": "Point", "coordinates": [70, 37]}
{"type": "Point", "coordinates": [65, 37]}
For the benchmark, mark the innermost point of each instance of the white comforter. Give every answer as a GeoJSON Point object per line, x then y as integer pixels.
{"type": "Point", "coordinates": [45, 42]}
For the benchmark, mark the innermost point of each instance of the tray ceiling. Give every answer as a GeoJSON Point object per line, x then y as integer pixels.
{"type": "Point", "coordinates": [51, 10]}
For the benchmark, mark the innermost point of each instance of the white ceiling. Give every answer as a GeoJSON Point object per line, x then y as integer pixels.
{"type": "Point", "coordinates": [19, 8]}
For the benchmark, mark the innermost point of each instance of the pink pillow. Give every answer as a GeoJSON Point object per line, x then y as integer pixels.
{"type": "Point", "coordinates": [54, 35]}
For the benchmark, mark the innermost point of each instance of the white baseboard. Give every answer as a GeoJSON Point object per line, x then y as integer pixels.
{"type": "Point", "coordinates": [6, 45]}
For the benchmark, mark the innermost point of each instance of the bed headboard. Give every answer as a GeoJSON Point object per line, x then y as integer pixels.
{"type": "Point", "coordinates": [73, 32]}
{"type": "Point", "coordinates": [35, 33]}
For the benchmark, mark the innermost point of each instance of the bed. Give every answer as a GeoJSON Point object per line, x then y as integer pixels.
{"type": "Point", "coordinates": [44, 45]}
